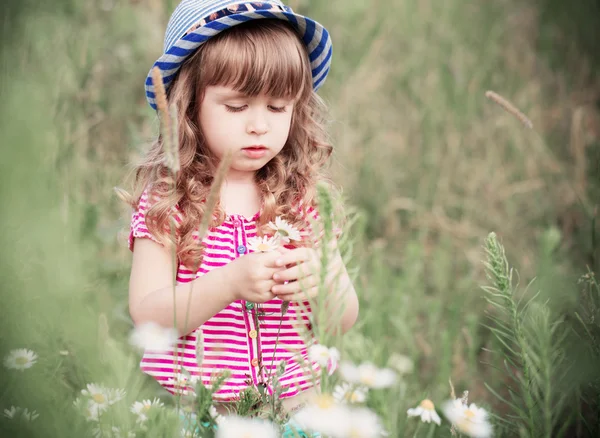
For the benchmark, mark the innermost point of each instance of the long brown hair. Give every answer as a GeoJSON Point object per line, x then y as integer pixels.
{"type": "Point", "coordinates": [261, 56]}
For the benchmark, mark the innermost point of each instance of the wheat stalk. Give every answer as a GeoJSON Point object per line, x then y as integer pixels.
{"type": "Point", "coordinates": [509, 107]}
{"type": "Point", "coordinates": [168, 120]}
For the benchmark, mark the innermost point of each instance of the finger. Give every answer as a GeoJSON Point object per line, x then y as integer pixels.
{"type": "Point", "coordinates": [271, 258]}
{"type": "Point", "coordinates": [293, 297]}
{"type": "Point", "coordinates": [295, 286]}
{"type": "Point", "coordinates": [295, 272]}
{"type": "Point", "coordinates": [296, 255]}
{"type": "Point", "coordinates": [301, 296]}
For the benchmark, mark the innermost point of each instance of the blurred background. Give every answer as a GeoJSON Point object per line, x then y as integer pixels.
{"type": "Point", "coordinates": [427, 164]}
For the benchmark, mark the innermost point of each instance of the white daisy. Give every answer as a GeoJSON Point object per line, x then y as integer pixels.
{"type": "Point", "coordinates": [187, 433]}
{"type": "Point", "coordinates": [285, 230]}
{"type": "Point", "coordinates": [234, 426]}
{"type": "Point", "coordinates": [215, 415]}
{"type": "Point", "coordinates": [470, 420]}
{"type": "Point", "coordinates": [324, 356]}
{"type": "Point", "coordinates": [142, 408]}
{"type": "Point", "coordinates": [115, 395]}
{"type": "Point", "coordinates": [20, 359]}
{"type": "Point", "coordinates": [326, 416]}
{"type": "Point", "coordinates": [346, 393]}
{"type": "Point", "coordinates": [425, 410]}
{"type": "Point", "coordinates": [401, 363]}
{"type": "Point", "coordinates": [29, 416]}
{"type": "Point", "coordinates": [153, 337]}
{"type": "Point", "coordinates": [12, 412]}
{"type": "Point", "coordinates": [98, 395]}
{"type": "Point", "coordinates": [368, 375]}
{"type": "Point", "coordinates": [90, 410]}
{"type": "Point", "coordinates": [363, 423]}
{"type": "Point", "coordinates": [264, 244]}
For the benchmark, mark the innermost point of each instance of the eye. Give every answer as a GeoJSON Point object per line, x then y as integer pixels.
{"type": "Point", "coordinates": [277, 109]}
{"type": "Point", "coordinates": [235, 109]}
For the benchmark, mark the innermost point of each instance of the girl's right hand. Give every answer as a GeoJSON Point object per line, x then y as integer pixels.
{"type": "Point", "coordinates": [252, 276]}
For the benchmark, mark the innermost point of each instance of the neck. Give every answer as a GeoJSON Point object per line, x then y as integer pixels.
{"type": "Point", "coordinates": [240, 178]}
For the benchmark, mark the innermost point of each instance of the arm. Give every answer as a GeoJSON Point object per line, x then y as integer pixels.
{"type": "Point", "coordinates": [151, 290]}
{"type": "Point", "coordinates": [343, 295]}
{"type": "Point", "coordinates": [305, 270]}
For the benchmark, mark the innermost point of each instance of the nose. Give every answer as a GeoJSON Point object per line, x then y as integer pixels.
{"type": "Point", "coordinates": [257, 123]}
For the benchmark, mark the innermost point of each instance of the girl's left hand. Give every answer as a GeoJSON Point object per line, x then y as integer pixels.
{"type": "Point", "coordinates": [302, 275]}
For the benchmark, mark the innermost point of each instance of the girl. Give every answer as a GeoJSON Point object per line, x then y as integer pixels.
{"type": "Point", "coordinates": [243, 78]}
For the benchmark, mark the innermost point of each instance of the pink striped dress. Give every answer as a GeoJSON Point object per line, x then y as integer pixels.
{"type": "Point", "coordinates": [248, 340]}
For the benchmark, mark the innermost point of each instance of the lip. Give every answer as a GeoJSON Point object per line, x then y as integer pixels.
{"type": "Point", "coordinates": [255, 151]}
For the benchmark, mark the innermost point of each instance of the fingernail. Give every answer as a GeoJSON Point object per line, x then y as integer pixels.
{"type": "Point", "coordinates": [275, 276]}
{"type": "Point", "coordinates": [279, 262]}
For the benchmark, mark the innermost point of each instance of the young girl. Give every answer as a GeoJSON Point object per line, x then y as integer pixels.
{"type": "Point", "coordinates": [243, 78]}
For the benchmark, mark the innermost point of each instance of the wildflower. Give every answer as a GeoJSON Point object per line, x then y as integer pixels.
{"type": "Point", "coordinates": [10, 413]}
{"type": "Point", "coordinates": [346, 393]}
{"type": "Point", "coordinates": [470, 420]}
{"type": "Point", "coordinates": [115, 395]}
{"type": "Point", "coordinates": [142, 408]}
{"type": "Point", "coordinates": [189, 433]}
{"type": "Point", "coordinates": [324, 356]}
{"type": "Point", "coordinates": [20, 359]}
{"type": "Point", "coordinates": [325, 415]}
{"type": "Point", "coordinates": [89, 409]}
{"type": "Point", "coordinates": [426, 410]}
{"type": "Point", "coordinates": [285, 230]}
{"type": "Point", "coordinates": [98, 395]}
{"type": "Point", "coordinates": [401, 363]}
{"type": "Point", "coordinates": [153, 337]}
{"type": "Point", "coordinates": [234, 426]}
{"type": "Point", "coordinates": [363, 423]}
{"type": "Point", "coordinates": [215, 415]}
{"type": "Point", "coordinates": [264, 244]}
{"type": "Point", "coordinates": [29, 416]}
{"type": "Point", "coordinates": [16, 411]}
{"type": "Point", "coordinates": [368, 375]}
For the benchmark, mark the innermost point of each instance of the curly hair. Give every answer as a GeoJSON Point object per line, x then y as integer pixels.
{"type": "Point", "coordinates": [259, 57]}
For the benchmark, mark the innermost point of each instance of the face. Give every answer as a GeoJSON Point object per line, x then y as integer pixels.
{"type": "Point", "coordinates": [255, 129]}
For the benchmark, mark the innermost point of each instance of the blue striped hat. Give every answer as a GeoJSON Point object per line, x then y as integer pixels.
{"type": "Point", "coordinates": [194, 21]}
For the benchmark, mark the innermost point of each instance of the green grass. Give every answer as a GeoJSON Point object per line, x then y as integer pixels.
{"type": "Point", "coordinates": [429, 164]}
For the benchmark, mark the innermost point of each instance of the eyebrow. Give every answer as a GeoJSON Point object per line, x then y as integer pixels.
{"type": "Point", "coordinates": [229, 94]}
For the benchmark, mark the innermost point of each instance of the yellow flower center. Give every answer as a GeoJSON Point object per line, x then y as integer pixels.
{"type": "Point", "coordinates": [427, 404]}
{"type": "Point", "coordinates": [368, 379]}
{"type": "Point", "coordinates": [465, 426]}
{"type": "Point", "coordinates": [325, 401]}
{"type": "Point", "coordinates": [283, 232]}
{"type": "Point", "coordinates": [355, 434]}
{"type": "Point", "coordinates": [263, 247]}
{"type": "Point", "coordinates": [469, 413]}
{"type": "Point", "coordinates": [99, 398]}
{"type": "Point", "coordinates": [353, 396]}
{"type": "Point", "coordinates": [146, 407]}
{"type": "Point", "coordinates": [21, 360]}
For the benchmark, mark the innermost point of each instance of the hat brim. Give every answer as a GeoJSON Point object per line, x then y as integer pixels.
{"type": "Point", "coordinates": [314, 35]}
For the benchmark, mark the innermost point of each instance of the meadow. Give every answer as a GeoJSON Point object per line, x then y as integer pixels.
{"type": "Point", "coordinates": [472, 239]}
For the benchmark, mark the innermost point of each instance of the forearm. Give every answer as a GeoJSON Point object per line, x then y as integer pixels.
{"type": "Point", "coordinates": [341, 299]}
{"type": "Point", "coordinates": [206, 296]}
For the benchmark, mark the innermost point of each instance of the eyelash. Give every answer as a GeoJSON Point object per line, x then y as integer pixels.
{"type": "Point", "coordinates": [235, 109]}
